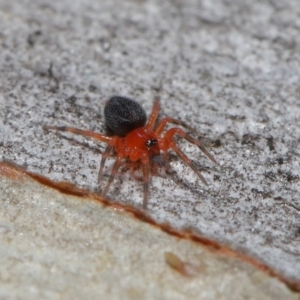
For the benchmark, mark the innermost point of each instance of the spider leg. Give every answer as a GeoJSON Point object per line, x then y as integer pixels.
{"type": "Point", "coordinates": [153, 116]}
{"type": "Point", "coordinates": [112, 175]}
{"type": "Point", "coordinates": [163, 122]}
{"type": "Point", "coordinates": [200, 146]}
{"type": "Point", "coordinates": [166, 160]}
{"type": "Point", "coordinates": [103, 159]}
{"type": "Point", "coordinates": [146, 175]}
{"type": "Point", "coordinates": [170, 133]}
{"type": "Point", "coordinates": [187, 161]}
{"type": "Point", "coordinates": [94, 135]}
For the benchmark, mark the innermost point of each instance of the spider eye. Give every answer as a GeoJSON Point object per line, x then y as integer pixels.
{"type": "Point", "coordinates": [151, 142]}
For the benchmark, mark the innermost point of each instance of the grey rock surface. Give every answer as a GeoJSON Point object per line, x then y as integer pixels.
{"type": "Point", "coordinates": [229, 69]}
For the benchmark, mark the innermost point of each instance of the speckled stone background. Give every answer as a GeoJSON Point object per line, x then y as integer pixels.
{"type": "Point", "coordinates": [229, 69]}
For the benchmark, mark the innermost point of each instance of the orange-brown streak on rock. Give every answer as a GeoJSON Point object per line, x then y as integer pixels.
{"type": "Point", "coordinates": [15, 172]}
{"type": "Point", "coordinates": [11, 170]}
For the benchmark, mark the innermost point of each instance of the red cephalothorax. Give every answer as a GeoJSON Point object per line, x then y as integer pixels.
{"type": "Point", "coordinates": [138, 143]}
{"type": "Point", "coordinates": [132, 137]}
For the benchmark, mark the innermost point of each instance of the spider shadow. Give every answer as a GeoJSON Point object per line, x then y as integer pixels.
{"type": "Point", "coordinates": [86, 145]}
{"type": "Point", "coordinates": [158, 168]}
{"type": "Point", "coordinates": [197, 187]}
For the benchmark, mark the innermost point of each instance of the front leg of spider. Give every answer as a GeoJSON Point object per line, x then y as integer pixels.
{"type": "Point", "coordinates": [168, 143]}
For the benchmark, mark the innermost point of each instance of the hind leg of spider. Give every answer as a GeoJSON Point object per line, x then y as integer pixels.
{"type": "Point", "coordinates": [94, 135]}
{"type": "Point", "coordinates": [171, 132]}
{"type": "Point", "coordinates": [187, 161]}
{"type": "Point", "coordinates": [146, 176]}
{"type": "Point", "coordinates": [153, 116]}
{"type": "Point", "coordinates": [163, 122]}
{"type": "Point", "coordinates": [103, 159]}
{"type": "Point", "coordinates": [112, 175]}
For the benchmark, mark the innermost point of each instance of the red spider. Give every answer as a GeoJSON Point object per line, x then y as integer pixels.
{"type": "Point", "coordinates": [135, 138]}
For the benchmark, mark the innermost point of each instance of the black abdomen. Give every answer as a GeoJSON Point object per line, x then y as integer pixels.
{"type": "Point", "coordinates": [122, 115]}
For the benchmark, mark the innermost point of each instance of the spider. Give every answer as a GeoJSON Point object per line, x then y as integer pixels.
{"type": "Point", "coordinates": [132, 137]}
